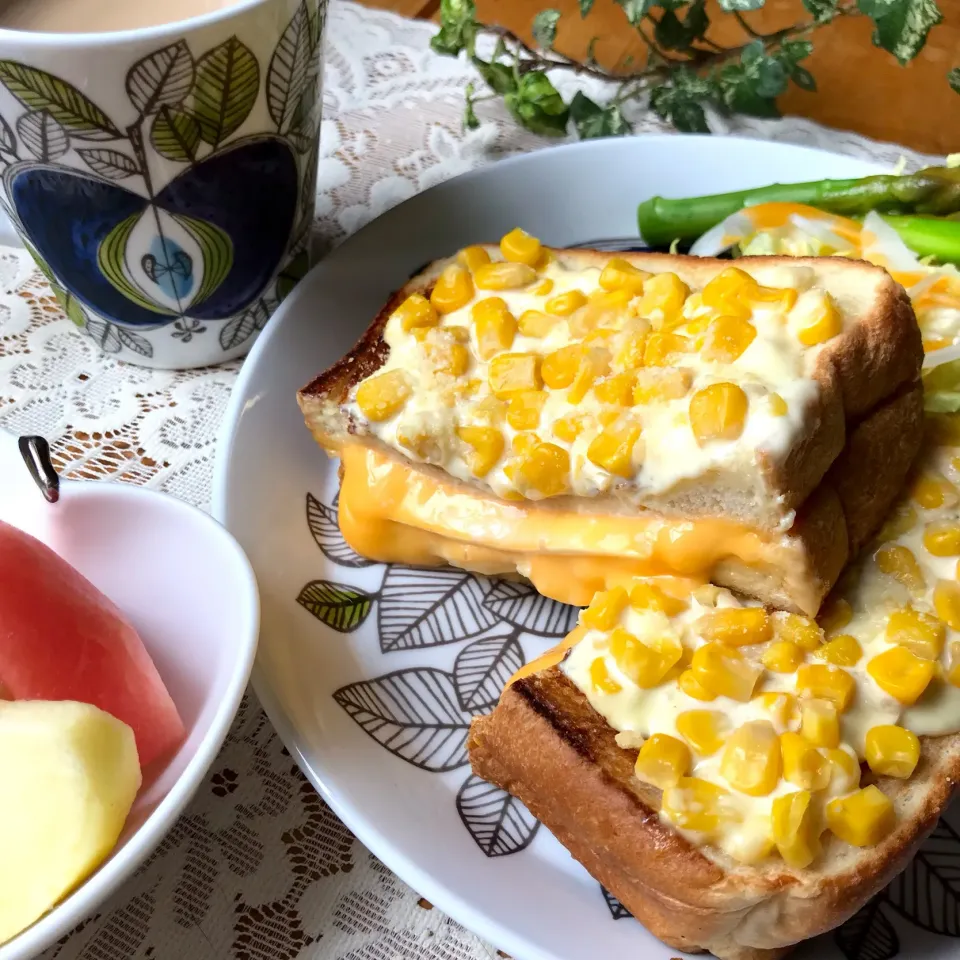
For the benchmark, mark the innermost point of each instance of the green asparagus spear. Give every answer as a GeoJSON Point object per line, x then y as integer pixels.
{"type": "Point", "coordinates": [937, 237]}
{"type": "Point", "coordinates": [935, 190]}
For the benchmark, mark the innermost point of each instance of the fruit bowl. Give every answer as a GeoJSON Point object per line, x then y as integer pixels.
{"type": "Point", "coordinates": [188, 589]}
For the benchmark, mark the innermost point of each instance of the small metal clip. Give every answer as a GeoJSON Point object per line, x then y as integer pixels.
{"type": "Point", "coordinates": [36, 455]}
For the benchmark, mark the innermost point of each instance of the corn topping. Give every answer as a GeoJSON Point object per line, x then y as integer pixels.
{"type": "Point", "coordinates": [892, 751]}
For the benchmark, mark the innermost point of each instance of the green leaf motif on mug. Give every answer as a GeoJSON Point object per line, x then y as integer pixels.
{"type": "Point", "coordinates": [289, 70]}
{"type": "Point", "coordinates": [165, 77]}
{"type": "Point", "coordinates": [225, 90]}
{"type": "Point", "coordinates": [217, 251]}
{"type": "Point", "coordinates": [39, 90]}
{"type": "Point", "coordinates": [110, 259]}
{"type": "Point", "coordinates": [175, 134]}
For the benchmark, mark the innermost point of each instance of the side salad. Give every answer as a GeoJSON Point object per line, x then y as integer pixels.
{"type": "Point", "coordinates": [909, 224]}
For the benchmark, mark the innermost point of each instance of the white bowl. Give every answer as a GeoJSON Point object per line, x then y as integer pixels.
{"type": "Point", "coordinates": [189, 590]}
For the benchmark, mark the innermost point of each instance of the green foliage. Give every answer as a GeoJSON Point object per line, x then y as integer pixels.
{"type": "Point", "coordinates": [545, 27]}
{"type": "Point", "coordinates": [685, 74]}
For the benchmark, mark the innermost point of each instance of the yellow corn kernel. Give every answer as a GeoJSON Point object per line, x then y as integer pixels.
{"type": "Point", "coordinates": [519, 247]}
{"type": "Point", "coordinates": [899, 562]}
{"type": "Point", "coordinates": [892, 751]}
{"type": "Point", "coordinates": [727, 339]}
{"type": "Point", "coordinates": [594, 363]}
{"type": "Point", "coordinates": [524, 443]}
{"type": "Point", "coordinates": [543, 288]}
{"type": "Point", "coordinates": [568, 428]}
{"type": "Point", "coordinates": [718, 412]}
{"type": "Point", "coordinates": [933, 490]}
{"type": "Point", "coordinates": [692, 687]}
{"type": "Point", "coordinates": [645, 665]}
{"type": "Point", "coordinates": [776, 405]}
{"type": "Point", "coordinates": [383, 395]}
{"type": "Point", "coordinates": [563, 304]}
{"type": "Point", "coordinates": [953, 673]}
{"type": "Point", "coordinates": [619, 274]}
{"type": "Point", "coordinates": [560, 367]}
{"type": "Point", "coordinates": [844, 770]}
{"type": "Point", "coordinates": [649, 596]}
{"type": "Point", "coordinates": [835, 614]}
{"type": "Point", "coordinates": [802, 631]}
{"type": "Point", "coordinates": [704, 730]}
{"type": "Point", "coordinates": [612, 450]}
{"type": "Point", "coordinates": [617, 389]}
{"type": "Point", "coordinates": [630, 354]}
{"type": "Point", "coordinates": [533, 323]}
{"type": "Point", "coordinates": [661, 348]}
{"type": "Point", "coordinates": [546, 469]}
{"type": "Point", "coordinates": [794, 827]}
{"type": "Point", "coordinates": [605, 609]}
{"type": "Point", "coordinates": [489, 411]}
{"type": "Point", "coordinates": [448, 358]}
{"type": "Point", "coordinates": [487, 447]}
{"type": "Point", "coordinates": [724, 671]}
{"type": "Point", "coordinates": [946, 601]}
{"type": "Point", "coordinates": [803, 764]}
{"type": "Point", "coordinates": [901, 673]}
{"type": "Point", "coordinates": [510, 373]}
{"type": "Point", "coordinates": [725, 292]}
{"type": "Point", "coordinates": [663, 292]}
{"type": "Point", "coordinates": [901, 519]}
{"type": "Point", "coordinates": [504, 276]}
{"type": "Point", "coordinates": [824, 324]}
{"type": "Point", "coordinates": [495, 326]}
{"type": "Point", "coordinates": [820, 722]}
{"type": "Point", "coordinates": [669, 383]}
{"type": "Point", "coordinates": [863, 818]}
{"type": "Point", "coordinates": [417, 311]}
{"type": "Point", "coordinates": [453, 289]}
{"type": "Point", "coordinates": [698, 805]}
{"type": "Point", "coordinates": [524, 408]}
{"type": "Point", "coordinates": [601, 679]}
{"type": "Point", "coordinates": [842, 651]}
{"type": "Point", "coordinates": [782, 708]}
{"type": "Point", "coordinates": [473, 258]}
{"type": "Point", "coordinates": [662, 761]}
{"type": "Point", "coordinates": [942, 538]}
{"type": "Point", "coordinates": [920, 633]}
{"type": "Point", "coordinates": [751, 759]}
{"type": "Point", "coordinates": [826, 682]}
{"type": "Point", "coordinates": [782, 656]}
{"type": "Point", "coordinates": [420, 444]}
{"type": "Point", "coordinates": [736, 626]}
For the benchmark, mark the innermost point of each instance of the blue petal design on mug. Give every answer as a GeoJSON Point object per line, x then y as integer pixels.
{"type": "Point", "coordinates": [205, 248]}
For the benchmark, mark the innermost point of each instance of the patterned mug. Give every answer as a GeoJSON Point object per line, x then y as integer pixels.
{"type": "Point", "coordinates": [164, 178]}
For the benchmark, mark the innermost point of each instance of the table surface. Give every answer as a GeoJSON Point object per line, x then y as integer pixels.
{"type": "Point", "coordinates": [860, 87]}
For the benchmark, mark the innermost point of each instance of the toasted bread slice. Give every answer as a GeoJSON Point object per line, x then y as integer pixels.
{"type": "Point", "coordinates": [769, 528]}
{"type": "Point", "coordinates": [544, 733]}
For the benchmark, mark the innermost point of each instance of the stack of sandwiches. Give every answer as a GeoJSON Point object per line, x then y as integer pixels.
{"type": "Point", "coordinates": [695, 451]}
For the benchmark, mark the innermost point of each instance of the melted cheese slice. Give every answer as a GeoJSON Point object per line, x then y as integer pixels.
{"type": "Point", "coordinates": [397, 514]}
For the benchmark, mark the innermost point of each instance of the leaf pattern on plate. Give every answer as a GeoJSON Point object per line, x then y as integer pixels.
{"type": "Point", "coordinates": [429, 606]}
{"type": "Point", "coordinates": [498, 822]}
{"type": "Point", "coordinates": [483, 668]}
{"type": "Point", "coordinates": [868, 934]}
{"type": "Point", "coordinates": [338, 605]}
{"type": "Point", "coordinates": [521, 605]}
{"type": "Point", "coordinates": [415, 714]}
{"type": "Point", "coordinates": [927, 893]}
{"type": "Point", "coordinates": [322, 521]}
{"type": "Point", "coordinates": [617, 910]}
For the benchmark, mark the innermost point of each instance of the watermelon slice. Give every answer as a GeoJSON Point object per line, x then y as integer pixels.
{"type": "Point", "coordinates": [62, 639]}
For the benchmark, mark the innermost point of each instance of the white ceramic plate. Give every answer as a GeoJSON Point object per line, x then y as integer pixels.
{"type": "Point", "coordinates": [189, 590]}
{"type": "Point", "coordinates": [371, 673]}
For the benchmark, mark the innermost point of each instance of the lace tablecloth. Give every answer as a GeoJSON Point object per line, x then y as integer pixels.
{"type": "Point", "coordinates": [259, 868]}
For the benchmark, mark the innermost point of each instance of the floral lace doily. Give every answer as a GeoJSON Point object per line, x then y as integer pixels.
{"type": "Point", "coordinates": [259, 868]}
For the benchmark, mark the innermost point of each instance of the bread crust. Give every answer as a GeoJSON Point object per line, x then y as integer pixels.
{"type": "Point", "coordinates": [869, 361]}
{"type": "Point", "coordinates": [544, 732]}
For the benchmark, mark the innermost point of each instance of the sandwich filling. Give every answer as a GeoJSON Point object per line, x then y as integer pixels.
{"type": "Point", "coordinates": [531, 379]}
{"type": "Point", "coordinates": [754, 725]}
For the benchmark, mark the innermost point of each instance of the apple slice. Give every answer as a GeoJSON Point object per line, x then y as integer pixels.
{"type": "Point", "coordinates": [70, 774]}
